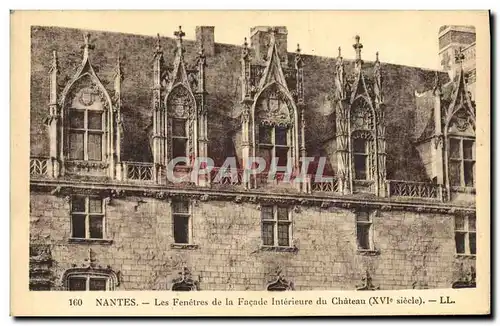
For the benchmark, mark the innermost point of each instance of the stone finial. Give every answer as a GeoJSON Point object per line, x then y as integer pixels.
{"type": "Point", "coordinates": [340, 53]}
{"type": "Point", "coordinates": [376, 57]}
{"type": "Point", "coordinates": [298, 49]}
{"type": "Point", "coordinates": [357, 47]}
{"type": "Point", "coordinates": [158, 44]}
{"type": "Point", "coordinates": [179, 35]}
{"type": "Point", "coordinates": [86, 45]}
{"type": "Point", "coordinates": [459, 56]}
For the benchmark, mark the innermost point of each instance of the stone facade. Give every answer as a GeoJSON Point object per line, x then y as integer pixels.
{"type": "Point", "coordinates": [347, 233]}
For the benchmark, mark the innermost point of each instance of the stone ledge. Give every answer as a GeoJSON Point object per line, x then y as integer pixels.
{"type": "Point", "coordinates": [84, 240]}
{"type": "Point", "coordinates": [465, 256]}
{"type": "Point", "coordinates": [184, 246]}
{"type": "Point", "coordinates": [279, 249]}
{"type": "Point", "coordinates": [368, 252]}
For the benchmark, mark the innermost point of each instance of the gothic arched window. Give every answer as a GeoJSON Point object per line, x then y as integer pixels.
{"type": "Point", "coordinates": [180, 110]}
{"type": "Point", "coordinates": [362, 141]}
{"type": "Point", "coordinates": [86, 123]}
{"type": "Point", "coordinates": [274, 127]}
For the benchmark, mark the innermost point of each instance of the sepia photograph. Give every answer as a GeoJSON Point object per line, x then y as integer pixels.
{"type": "Point", "coordinates": [272, 156]}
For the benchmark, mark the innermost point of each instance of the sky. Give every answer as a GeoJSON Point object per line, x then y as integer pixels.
{"type": "Point", "coordinates": [406, 38]}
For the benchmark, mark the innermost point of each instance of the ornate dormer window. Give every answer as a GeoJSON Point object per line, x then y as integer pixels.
{"type": "Point", "coordinates": [87, 139]}
{"type": "Point", "coordinates": [272, 109]}
{"type": "Point", "coordinates": [274, 129]}
{"type": "Point", "coordinates": [86, 126]}
{"type": "Point", "coordinates": [460, 134]}
{"type": "Point", "coordinates": [360, 137]}
{"type": "Point", "coordinates": [180, 118]}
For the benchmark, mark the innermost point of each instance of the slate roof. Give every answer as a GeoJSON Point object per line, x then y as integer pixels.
{"type": "Point", "coordinates": [223, 87]}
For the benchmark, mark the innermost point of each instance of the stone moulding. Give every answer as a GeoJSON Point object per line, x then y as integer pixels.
{"type": "Point", "coordinates": [66, 188]}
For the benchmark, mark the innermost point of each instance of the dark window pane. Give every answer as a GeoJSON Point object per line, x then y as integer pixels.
{"type": "Point", "coordinates": [179, 149]}
{"type": "Point", "coordinates": [266, 154]}
{"type": "Point", "coordinates": [268, 233]}
{"type": "Point", "coordinates": [265, 133]}
{"type": "Point", "coordinates": [282, 156]}
{"type": "Point", "coordinates": [78, 226]}
{"type": "Point", "coordinates": [469, 173]}
{"type": "Point", "coordinates": [359, 145]}
{"type": "Point", "coordinates": [181, 207]}
{"type": "Point", "coordinates": [95, 205]}
{"type": "Point", "coordinates": [95, 147]}
{"type": "Point", "coordinates": [363, 216]}
{"type": "Point", "coordinates": [455, 173]}
{"type": "Point", "coordinates": [181, 229]}
{"type": "Point", "coordinates": [78, 204]}
{"type": "Point", "coordinates": [76, 119]}
{"type": "Point", "coordinates": [77, 284]}
{"type": "Point", "coordinates": [97, 284]}
{"type": "Point", "coordinates": [454, 148]}
{"type": "Point", "coordinates": [472, 223]}
{"type": "Point", "coordinates": [182, 287]}
{"type": "Point", "coordinates": [460, 242]}
{"type": "Point", "coordinates": [283, 234]}
{"type": "Point", "coordinates": [472, 243]}
{"type": "Point", "coordinates": [179, 127]}
{"type": "Point", "coordinates": [360, 167]}
{"type": "Point", "coordinates": [363, 234]}
{"type": "Point", "coordinates": [95, 120]}
{"type": "Point", "coordinates": [76, 145]}
{"type": "Point", "coordinates": [459, 223]}
{"type": "Point", "coordinates": [468, 149]}
{"type": "Point", "coordinates": [266, 212]}
{"type": "Point", "coordinates": [283, 213]}
{"type": "Point", "coordinates": [96, 227]}
{"type": "Point", "coordinates": [281, 136]}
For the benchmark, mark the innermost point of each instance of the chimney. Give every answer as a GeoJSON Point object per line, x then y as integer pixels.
{"type": "Point", "coordinates": [260, 37]}
{"type": "Point", "coordinates": [205, 37]}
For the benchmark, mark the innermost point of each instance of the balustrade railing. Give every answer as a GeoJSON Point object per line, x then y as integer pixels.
{"type": "Point", "coordinates": [226, 176]}
{"type": "Point", "coordinates": [397, 188]}
{"type": "Point", "coordinates": [39, 166]}
{"type": "Point", "coordinates": [331, 184]}
{"type": "Point", "coordinates": [138, 171]}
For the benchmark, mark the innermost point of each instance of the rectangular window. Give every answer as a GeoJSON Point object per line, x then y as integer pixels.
{"type": "Point", "coordinates": [87, 283]}
{"type": "Point", "coordinates": [274, 144]}
{"type": "Point", "coordinates": [465, 234]}
{"type": "Point", "coordinates": [364, 230]}
{"type": "Point", "coordinates": [85, 135]}
{"type": "Point", "coordinates": [87, 218]}
{"type": "Point", "coordinates": [462, 159]}
{"type": "Point", "coordinates": [181, 222]}
{"type": "Point", "coordinates": [360, 154]}
{"type": "Point", "coordinates": [276, 226]}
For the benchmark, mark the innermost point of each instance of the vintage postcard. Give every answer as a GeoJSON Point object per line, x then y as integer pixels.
{"type": "Point", "coordinates": [250, 163]}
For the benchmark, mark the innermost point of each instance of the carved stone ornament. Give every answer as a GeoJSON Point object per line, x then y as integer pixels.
{"type": "Point", "coordinates": [366, 283]}
{"type": "Point", "coordinates": [273, 109]}
{"type": "Point", "coordinates": [279, 283]}
{"type": "Point", "coordinates": [185, 281]}
{"type": "Point", "coordinates": [465, 279]}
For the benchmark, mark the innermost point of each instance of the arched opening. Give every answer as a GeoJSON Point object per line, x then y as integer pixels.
{"type": "Point", "coordinates": [274, 127]}
{"type": "Point", "coordinates": [86, 107]}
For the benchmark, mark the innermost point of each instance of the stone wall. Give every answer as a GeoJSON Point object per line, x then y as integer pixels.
{"type": "Point", "coordinates": [414, 248]}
